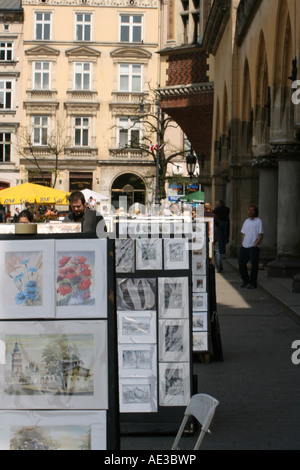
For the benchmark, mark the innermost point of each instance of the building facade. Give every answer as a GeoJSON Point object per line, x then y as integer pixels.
{"type": "Point", "coordinates": [255, 154]}
{"type": "Point", "coordinates": [88, 65]}
{"type": "Point", "coordinates": [11, 64]}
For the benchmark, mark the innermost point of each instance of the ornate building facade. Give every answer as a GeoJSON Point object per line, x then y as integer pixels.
{"type": "Point", "coordinates": [256, 146]}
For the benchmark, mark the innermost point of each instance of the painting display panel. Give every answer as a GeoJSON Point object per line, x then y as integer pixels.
{"type": "Point", "coordinates": [81, 279]}
{"type": "Point", "coordinates": [148, 253]}
{"type": "Point", "coordinates": [174, 345]}
{"type": "Point", "coordinates": [176, 253]}
{"type": "Point", "coordinates": [54, 365]}
{"type": "Point", "coordinates": [173, 297]}
{"type": "Point", "coordinates": [27, 280]}
{"type": "Point", "coordinates": [53, 430]}
{"type": "Point", "coordinates": [174, 384]}
{"type": "Point", "coordinates": [136, 294]}
{"type": "Point", "coordinates": [138, 395]}
{"type": "Point", "coordinates": [137, 327]}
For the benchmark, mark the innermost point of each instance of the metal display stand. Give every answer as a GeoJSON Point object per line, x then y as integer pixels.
{"type": "Point", "coordinates": [111, 413]}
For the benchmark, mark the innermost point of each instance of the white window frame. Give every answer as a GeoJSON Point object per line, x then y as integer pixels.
{"type": "Point", "coordinates": [127, 70]}
{"type": "Point", "coordinates": [82, 23]}
{"type": "Point", "coordinates": [5, 143]}
{"type": "Point", "coordinates": [44, 22]}
{"type": "Point", "coordinates": [81, 73]}
{"type": "Point", "coordinates": [6, 91]}
{"type": "Point", "coordinates": [40, 126]}
{"type": "Point", "coordinates": [128, 125]}
{"type": "Point", "coordinates": [42, 72]}
{"type": "Point", "coordinates": [131, 26]}
{"type": "Point", "coordinates": [81, 128]}
{"type": "Point", "coordinates": [4, 47]}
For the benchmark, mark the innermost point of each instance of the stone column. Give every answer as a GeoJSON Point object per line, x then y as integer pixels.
{"type": "Point", "coordinates": [287, 262]}
{"type": "Point", "coordinates": [268, 196]}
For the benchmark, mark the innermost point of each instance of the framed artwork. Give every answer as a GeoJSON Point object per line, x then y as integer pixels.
{"type": "Point", "coordinates": [137, 360]}
{"type": "Point", "coordinates": [137, 327]}
{"type": "Point", "coordinates": [81, 278]}
{"type": "Point", "coordinates": [176, 253]}
{"type": "Point", "coordinates": [27, 279]}
{"type": "Point", "coordinates": [54, 365]}
{"type": "Point", "coordinates": [200, 301]}
{"type": "Point", "coordinates": [199, 283]}
{"type": "Point", "coordinates": [148, 253]}
{"type": "Point", "coordinates": [199, 265]}
{"type": "Point", "coordinates": [136, 294]}
{"type": "Point", "coordinates": [173, 297]}
{"type": "Point", "coordinates": [200, 341]}
{"type": "Point", "coordinates": [138, 395]}
{"type": "Point", "coordinates": [200, 321]}
{"type": "Point", "coordinates": [174, 384]}
{"type": "Point", "coordinates": [125, 255]}
{"type": "Point", "coordinates": [174, 344]}
{"type": "Point", "coordinates": [53, 430]}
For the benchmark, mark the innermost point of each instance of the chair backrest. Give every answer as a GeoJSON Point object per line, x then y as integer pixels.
{"type": "Point", "coordinates": [202, 407]}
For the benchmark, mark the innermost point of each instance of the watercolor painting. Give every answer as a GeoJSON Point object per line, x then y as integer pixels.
{"type": "Point", "coordinates": [75, 278]}
{"type": "Point", "coordinates": [24, 283]}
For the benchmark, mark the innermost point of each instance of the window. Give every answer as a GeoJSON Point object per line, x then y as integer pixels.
{"type": "Point", "coordinates": [43, 26]}
{"type": "Point", "coordinates": [129, 132]}
{"type": "Point", "coordinates": [130, 78]}
{"type": "Point", "coordinates": [5, 147]}
{"type": "Point", "coordinates": [6, 89]}
{"type": "Point", "coordinates": [41, 76]}
{"type": "Point", "coordinates": [81, 131]}
{"type": "Point", "coordinates": [82, 78]}
{"type": "Point", "coordinates": [131, 28]}
{"type": "Point", "coordinates": [83, 27]}
{"type": "Point", "coordinates": [40, 130]}
{"type": "Point", "coordinates": [6, 51]}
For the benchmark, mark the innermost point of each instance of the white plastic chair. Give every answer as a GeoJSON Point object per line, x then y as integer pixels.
{"type": "Point", "coordinates": [202, 407]}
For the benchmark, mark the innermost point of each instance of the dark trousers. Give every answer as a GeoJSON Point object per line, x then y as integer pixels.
{"type": "Point", "coordinates": [246, 255]}
{"type": "Point", "coordinates": [223, 236]}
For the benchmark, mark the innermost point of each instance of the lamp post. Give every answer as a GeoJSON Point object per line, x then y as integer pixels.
{"type": "Point", "coordinates": [191, 161]}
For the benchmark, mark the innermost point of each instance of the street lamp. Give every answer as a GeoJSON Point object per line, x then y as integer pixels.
{"type": "Point", "coordinates": [191, 161]}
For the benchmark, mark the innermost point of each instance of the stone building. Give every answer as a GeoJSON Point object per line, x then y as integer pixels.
{"type": "Point", "coordinates": [256, 145]}
{"type": "Point", "coordinates": [11, 57]}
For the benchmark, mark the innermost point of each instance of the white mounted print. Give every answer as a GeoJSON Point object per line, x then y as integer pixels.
{"type": "Point", "coordinates": [173, 297]}
{"type": "Point", "coordinates": [138, 395]}
{"type": "Point", "coordinates": [174, 384]}
{"type": "Point", "coordinates": [137, 360]}
{"type": "Point", "coordinates": [148, 253]}
{"type": "Point", "coordinates": [136, 294]}
{"type": "Point", "coordinates": [81, 278]}
{"type": "Point", "coordinates": [27, 279]}
{"type": "Point", "coordinates": [174, 344]}
{"type": "Point", "coordinates": [176, 253]}
{"type": "Point", "coordinates": [137, 327]}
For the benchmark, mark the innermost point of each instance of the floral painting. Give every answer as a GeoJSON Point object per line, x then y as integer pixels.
{"type": "Point", "coordinates": [75, 279]}
{"type": "Point", "coordinates": [81, 278]}
{"type": "Point", "coordinates": [24, 275]}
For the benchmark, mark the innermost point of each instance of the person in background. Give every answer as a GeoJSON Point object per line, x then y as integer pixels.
{"type": "Point", "coordinates": [217, 257]}
{"type": "Point", "coordinates": [223, 228]}
{"type": "Point", "coordinates": [80, 213]}
{"type": "Point", "coordinates": [25, 217]}
{"type": "Point", "coordinates": [2, 214]}
{"type": "Point", "coordinates": [16, 215]}
{"type": "Point", "coordinates": [252, 234]}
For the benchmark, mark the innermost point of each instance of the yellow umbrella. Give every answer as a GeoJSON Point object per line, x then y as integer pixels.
{"type": "Point", "coordinates": [33, 193]}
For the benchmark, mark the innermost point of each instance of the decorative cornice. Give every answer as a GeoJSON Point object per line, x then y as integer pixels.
{"type": "Point", "coordinates": [265, 162]}
{"type": "Point", "coordinates": [285, 149]}
{"type": "Point", "coordinates": [179, 90]}
{"type": "Point", "coordinates": [92, 3]}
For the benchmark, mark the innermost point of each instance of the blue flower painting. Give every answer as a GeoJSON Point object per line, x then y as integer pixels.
{"type": "Point", "coordinates": [24, 278]}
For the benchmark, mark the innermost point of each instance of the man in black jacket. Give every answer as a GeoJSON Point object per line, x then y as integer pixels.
{"type": "Point", "coordinates": [82, 214]}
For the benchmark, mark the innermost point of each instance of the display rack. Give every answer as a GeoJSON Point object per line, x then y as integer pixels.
{"type": "Point", "coordinates": [58, 337]}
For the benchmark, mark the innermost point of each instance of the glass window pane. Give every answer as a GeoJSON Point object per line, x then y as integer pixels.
{"type": "Point", "coordinates": [125, 33]}
{"type": "Point", "coordinates": [38, 31]}
{"type": "Point", "coordinates": [37, 81]}
{"type": "Point", "coordinates": [135, 138]}
{"type": "Point", "coordinates": [46, 81]}
{"type": "Point", "coordinates": [123, 137]}
{"type": "Point", "coordinates": [36, 136]}
{"type": "Point", "coordinates": [77, 81]}
{"type": "Point", "coordinates": [85, 137]}
{"type": "Point", "coordinates": [85, 122]}
{"type": "Point", "coordinates": [8, 100]}
{"type": "Point", "coordinates": [137, 34]}
{"type": "Point", "coordinates": [124, 83]}
{"type": "Point", "coordinates": [136, 84]}
{"type": "Point", "coordinates": [47, 31]}
{"type": "Point", "coordinates": [124, 18]}
{"type": "Point", "coordinates": [79, 32]}
{"type": "Point", "coordinates": [77, 121]}
{"type": "Point", "coordinates": [86, 82]}
{"type": "Point", "coordinates": [87, 33]}
{"type": "Point", "coordinates": [137, 19]}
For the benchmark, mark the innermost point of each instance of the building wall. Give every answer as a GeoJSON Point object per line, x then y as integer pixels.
{"type": "Point", "coordinates": [103, 103]}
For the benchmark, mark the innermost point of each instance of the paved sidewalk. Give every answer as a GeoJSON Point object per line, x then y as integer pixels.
{"type": "Point", "coordinates": [257, 384]}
